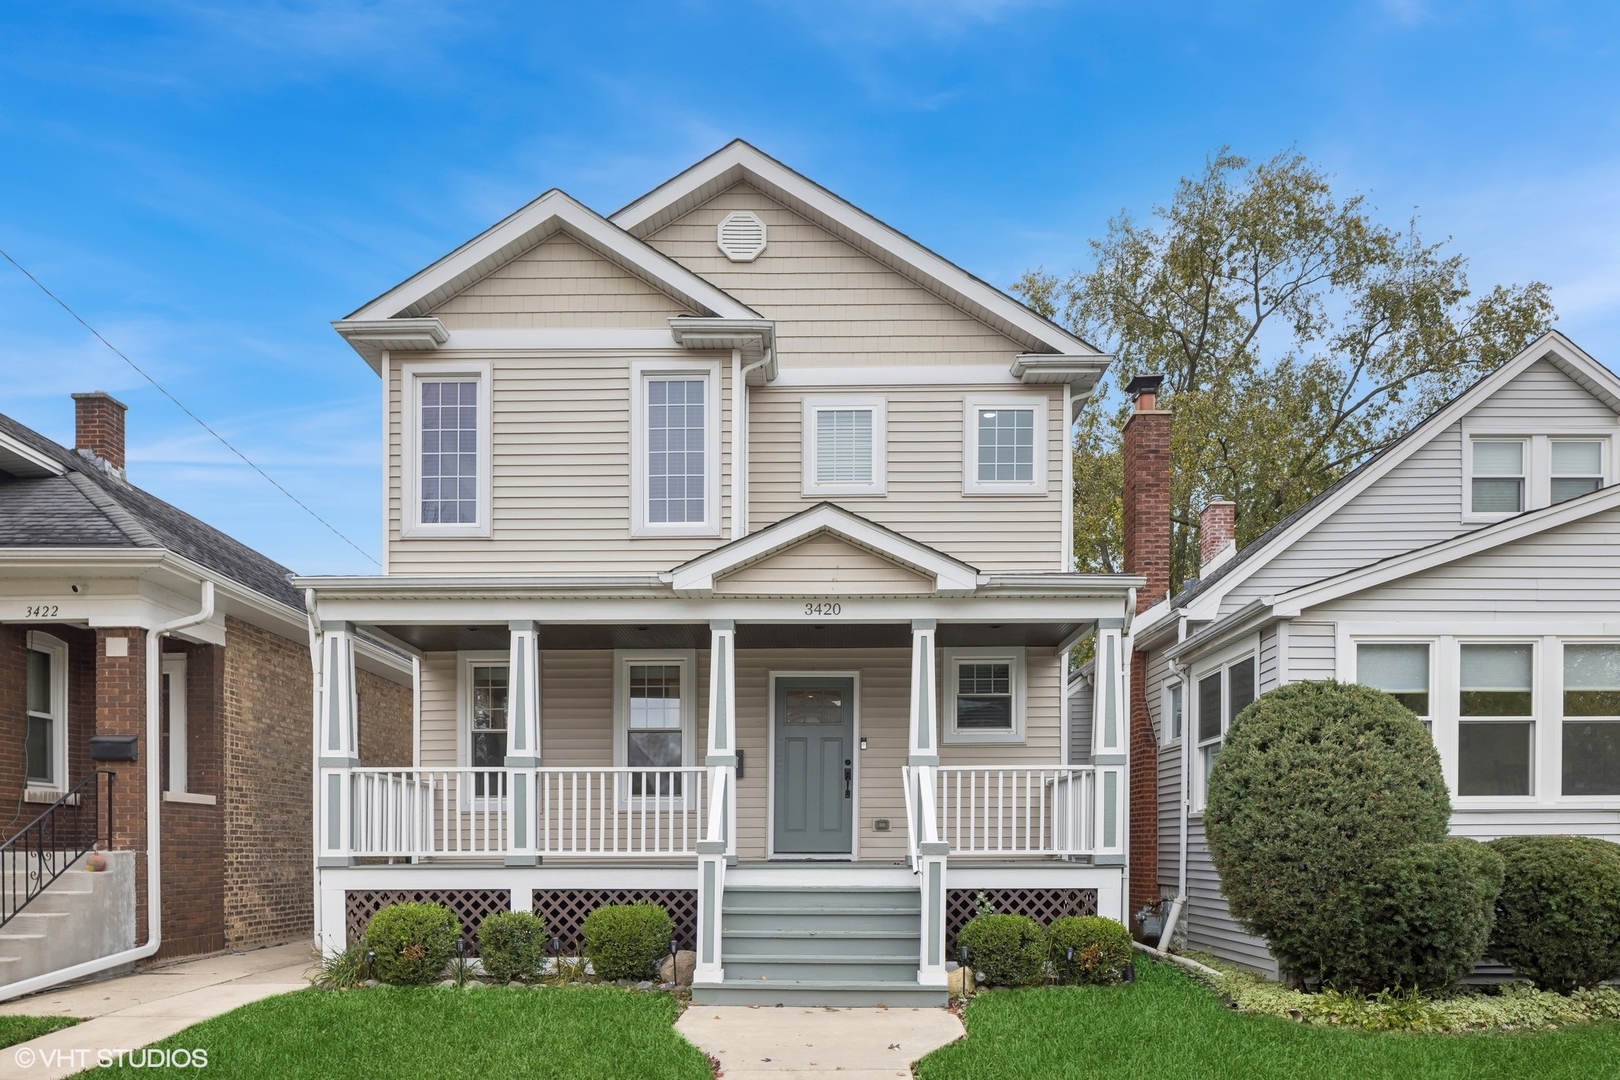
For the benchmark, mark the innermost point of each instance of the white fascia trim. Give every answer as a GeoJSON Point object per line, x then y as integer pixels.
{"type": "Point", "coordinates": [411, 375]}
{"type": "Point", "coordinates": [950, 577]}
{"type": "Point", "coordinates": [1247, 619]}
{"type": "Point", "coordinates": [1552, 346]}
{"type": "Point", "coordinates": [990, 377]}
{"type": "Point", "coordinates": [20, 459]}
{"type": "Point", "coordinates": [1045, 368]}
{"type": "Point", "coordinates": [1290, 604]}
{"type": "Point", "coordinates": [949, 281]}
{"type": "Point", "coordinates": [560, 338]}
{"type": "Point", "coordinates": [753, 337]}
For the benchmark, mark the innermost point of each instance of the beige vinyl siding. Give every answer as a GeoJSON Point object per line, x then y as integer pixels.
{"type": "Point", "coordinates": [832, 304]}
{"type": "Point", "coordinates": [925, 445]}
{"type": "Point", "coordinates": [559, 283]}
{"type": "Point", "coordinates": [438, 711]}
{"type": "Point", "coordinates": [824, 564]}
{"type": "Point", "coordinates": [561, 481]}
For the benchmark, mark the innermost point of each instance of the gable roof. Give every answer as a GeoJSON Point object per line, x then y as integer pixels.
{"type": "Point", "coordinates": [78, 504]}
{"type": "Point", "coordinates": [737, 162]}
{"type": "Point", "coordinates": [404, 312]}
{"type": "Point", "coordinates": [951, 576]}
{"type": "Point", "coordinates": [1552, 346]}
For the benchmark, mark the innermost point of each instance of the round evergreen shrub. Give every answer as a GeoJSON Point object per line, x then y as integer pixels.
{"type": "Point", "coordinates": [1316, 783]}
{"type": "Point", "coordinates": [1420, 918]}
{"type": "Point", "coordinates": [1102, 948]}
{"type": "Point", "coordinates": [1008, 950]}
{"type": "Point", "coordinates": [627, 941]}
{"type": "Point", "coordinates": [412, 942]}
{"type": "Point", "coordinates": [1558, 917]}
{"type": "Point", "coordinates": [512, 945]}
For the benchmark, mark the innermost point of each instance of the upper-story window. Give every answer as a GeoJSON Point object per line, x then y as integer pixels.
{"type": "Point", "coordinates": [445, 450]}
{"type": "Point", "coordinates": [1577, 467]}
{"type": "Point", "coordinates": [1509, 474]}
{"type": "Point", "coordinates": [1005, 452]}
{"type": "Point", "coordinates": [675, 449]}
{"type": "Point", "coordinates": [1498, 480]}
{"type": "Point", "coordinates": [844, 446]}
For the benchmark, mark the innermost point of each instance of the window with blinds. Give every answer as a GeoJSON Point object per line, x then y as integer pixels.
{"type": "Point", "coordinates": [843, 446]}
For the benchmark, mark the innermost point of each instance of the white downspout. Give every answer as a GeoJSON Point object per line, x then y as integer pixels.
{"type": "Point", "coordinates": [1179, 904]}
{"type": "Point", "coordinates": [739, 439]}
{"type": "Point", "coordinates": [154, 827]}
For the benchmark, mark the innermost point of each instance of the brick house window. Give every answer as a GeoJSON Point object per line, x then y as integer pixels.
{"type": "Point", "coordinates": [45, 740]}
{"type": "Point", "coordinates": [172, 714]}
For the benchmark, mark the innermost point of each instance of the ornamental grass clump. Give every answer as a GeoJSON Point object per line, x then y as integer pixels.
{"type": "Point", "coordinates": [412, 942]}
{"type": "Point", "coordinates": [1005, 950]}
{"type": "Point", "coordinates": [1088, 950]}
{"type": "Point", "coordinates": [627, 941]}
{"type": "Point", "coordinates": [1558, 915]}
{"type": "Point", "coordinates": [512, 945]}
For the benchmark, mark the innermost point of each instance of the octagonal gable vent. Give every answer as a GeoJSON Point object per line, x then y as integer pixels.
{"type": "Point", "coordinates": [741, 235]}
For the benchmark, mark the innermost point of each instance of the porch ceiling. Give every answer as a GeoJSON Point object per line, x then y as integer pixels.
{"type": "Point", "coordinates": [826, 635]}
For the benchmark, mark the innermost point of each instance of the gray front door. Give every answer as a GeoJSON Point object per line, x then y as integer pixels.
{"type": "Point", "coordinates": [815, 739]}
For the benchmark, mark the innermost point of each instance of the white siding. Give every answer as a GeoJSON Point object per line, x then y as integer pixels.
{"type": "Point", "coordinates": [1311, 648]}
{"type": "Point", "coordinates": [1267, 675]}
{"type": "Point", "coordinates": [1210, 926]}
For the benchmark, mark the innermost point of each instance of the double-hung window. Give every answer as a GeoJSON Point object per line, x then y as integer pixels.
{"type": "Point", "coordinates": [1496, 728]}
{"type": "Point", "coordinates": [1509, 474]}
{"type": "Point", "coordinates": [675, 447]}
{"type": "Point", "coordinates": [844, 451]}
{"type": "Point", "coordinates": [984, 696]}
{"type": "Point", "coordinates": [1497, 485]}
{"type": "Point", "coordinates": [1174, 713]}
{"type": "Point", "coordinates": [45, 738]}
{"type": "Point", "coordinates": [1577, 468]}
{"type": "Point", "coordinates": [1006, 445]}
{"type": "Point", "coordinates": [654, 720]}
{"type": "Point", "coordinates": [1221, 695]}
{"type": "Point", "coordinates": [1400, 669]}
{"type": "Point", "coordinates": [445, 450]}
{"type": "Point", "coordinates": [1591, 723]}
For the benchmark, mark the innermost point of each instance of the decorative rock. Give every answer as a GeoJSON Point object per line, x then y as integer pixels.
{"type": "Point", "coordinates": [643, 985]}
{"type": "Point", "coordinates": [960, 982]}
{"type": "Point", "coordinates": [678, 969]}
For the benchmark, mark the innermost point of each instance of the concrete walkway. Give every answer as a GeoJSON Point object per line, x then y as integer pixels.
{"type": "Point", "coordinates": [136, 1010]}
{"type": "Point", "coordinates": [759, 1043]}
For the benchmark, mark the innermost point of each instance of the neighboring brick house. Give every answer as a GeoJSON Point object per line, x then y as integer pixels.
{"type": "Point", "coordinates": [91, 569]}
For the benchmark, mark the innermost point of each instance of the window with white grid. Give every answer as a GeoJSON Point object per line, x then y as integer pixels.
{"type": "Point", "coordinates": [1005, 450]}
{"type": "Point", "coordinates": [449, 451]}
{"type": "Point", "coordinates": [676, 450]}
{"type": "Point", "coordinates": [844, 446]}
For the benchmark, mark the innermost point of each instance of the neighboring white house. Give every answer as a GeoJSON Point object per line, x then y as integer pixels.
{"type": "Point", "coordinates": [731, 535]}
{"type": "Point", "coordinates": [1472, 569]}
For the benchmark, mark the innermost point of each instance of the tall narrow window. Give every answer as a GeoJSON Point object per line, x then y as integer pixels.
{"type": "Point", "coordinates": [1591, 736]}
{"type": "Point", "coordinates": [1210, 728]}
{"type": "Point", "coordinates": [654, 735]}
{"type": "Point", "coordinates": [488, 724]}
{"type": "Point", "coordinates": [1498, 480]}
{"type": "Point", "coordinates": [172, 720]}
{"type": "Point", "coordinates": [39, 747]}
{"type": "Point", "coordinates": [1495, 735]}
{"type": "Point", "coordinates": [1577, 467]}
{"type": "Point", "coordinates": [448, 435]}
{"type": "Point", "coordinates": [677, 447]}
{"type": "Point", "coordinates": [1399, 669]}
{"type": "Point", "coordinates": [1175, 709]}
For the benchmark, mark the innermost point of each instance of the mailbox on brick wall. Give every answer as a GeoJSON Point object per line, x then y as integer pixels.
{"type": "Point", "coordinates": [113, 747]}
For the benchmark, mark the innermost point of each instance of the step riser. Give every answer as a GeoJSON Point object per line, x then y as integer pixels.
{"type": "Point", "coordinates": [913, 998]}
{"type": "Point", "coordinates": [898, 970]}
{"type": "Point", "coordinates": [856, 948]}
{"type": "Point", "coordinates": [823, 899]}
{"type": "Point", "coordinates": [808, 923]}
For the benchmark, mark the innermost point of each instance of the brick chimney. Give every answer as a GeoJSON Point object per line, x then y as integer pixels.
{"type": "Point", "coordinates": [1147, 490]}
{"type": "Point", "coordinates": [98, 428]}
{"type": "Point", "coordinates": [1217, 533]}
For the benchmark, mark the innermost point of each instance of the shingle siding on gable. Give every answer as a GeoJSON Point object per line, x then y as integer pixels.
{"type": "Point", "coordinates": [560, 283]}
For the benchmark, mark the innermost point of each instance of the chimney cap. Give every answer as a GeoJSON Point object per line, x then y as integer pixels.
{"type": "Point", "coordinates": [1144, 384]}
{"type": "Point", "coordinates": [100, 395]}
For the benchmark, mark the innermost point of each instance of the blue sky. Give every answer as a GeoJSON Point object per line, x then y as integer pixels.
{"type": "Point", "coordinates": [210, 185]}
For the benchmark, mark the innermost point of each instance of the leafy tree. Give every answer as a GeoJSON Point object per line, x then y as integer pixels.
{"type": "Point", "coordinates": [1298, 337]}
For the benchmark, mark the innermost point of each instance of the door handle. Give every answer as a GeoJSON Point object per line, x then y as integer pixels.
{"type": "Point", "coordinates": [849, 778]}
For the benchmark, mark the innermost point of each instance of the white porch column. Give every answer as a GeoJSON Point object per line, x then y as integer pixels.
{"type": "Point", "coordinates": [923, 757]}
{"type": "Point", "coordinates": [1109, 745]}
{"type": "Point", "coordinates": [924, 748]}
{"type": "Point", "coordinates": [523, 740]}
{"type": "Point", "coordinates": [338, 739]}
{"type": "Point", "coordinates": [722, 748]}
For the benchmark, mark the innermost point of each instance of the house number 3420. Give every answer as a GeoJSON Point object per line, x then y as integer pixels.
{"type": "Point", "coordinates": [823, 607]}
{"type": "Point", "coordinates": [39, 611]}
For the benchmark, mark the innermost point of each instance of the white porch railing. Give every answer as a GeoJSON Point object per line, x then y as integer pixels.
{"type": "Point", "coordinates": [579, 813]}
{"type": "Point", "coordinates": [1003, 810]}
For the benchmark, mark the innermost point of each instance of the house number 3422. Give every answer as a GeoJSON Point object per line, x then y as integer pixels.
{"type": "Point", "coordinates": [823, 607]}
{"type": "Point", "coordinates": [39, 611]}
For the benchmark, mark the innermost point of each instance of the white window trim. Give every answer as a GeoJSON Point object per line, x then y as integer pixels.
{"type": "Point", "coordinates": [412, 375]}
{"type": "Point", "coordinates": [1537, 462]}
{"type": "Point", "coordinates": [1248, 649]}
{"type": "Point", "coordinates": [57, 650]}
{"type": "Point", "coordinates": [1555, 696]}
{"type": "Point", "coordinates": [879, 484]}
{"type": "Point", "coordinates": [1167, 736]}
{"type": "Point", "coordinates": [1538, 709]}
{"type": "Point", "coordinates": [174, 666]}
{"type": "Point", "coordinates": [971, 484]}
{"type": "Point", "coordinates": [640, 372]}
{"type": "Point", "coordinates": [622, 661]}
{"type": "Point", "coordinates": [1352, 675]}
{"type": "Point", "coordinates": [465, 662]}
{"type": "Point", "coordinates": [1013, 656]}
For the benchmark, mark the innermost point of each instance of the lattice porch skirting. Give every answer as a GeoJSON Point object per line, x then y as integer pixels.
{"type": "Point", "coordinates": [565, 911]}
{"type": "Point", "coordinates": [1043, 905]}
{"type": "Point", "coordinates": [469, 905]}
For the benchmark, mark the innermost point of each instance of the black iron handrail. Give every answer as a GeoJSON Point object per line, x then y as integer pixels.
{"type": "Point", "coordinates": [47, 847]}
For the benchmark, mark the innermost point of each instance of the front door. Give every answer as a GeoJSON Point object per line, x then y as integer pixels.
{"type": "Point", "coordinates": [814, 767]}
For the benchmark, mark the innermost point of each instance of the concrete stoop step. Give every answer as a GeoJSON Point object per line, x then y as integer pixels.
{"type": "Point", "coordinates": [820, 945]}
{"type": "Point", "coordinates": [80, 916]}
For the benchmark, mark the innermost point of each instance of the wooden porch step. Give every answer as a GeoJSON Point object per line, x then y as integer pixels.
{"type": "Point", "coordinates": [838, 994]}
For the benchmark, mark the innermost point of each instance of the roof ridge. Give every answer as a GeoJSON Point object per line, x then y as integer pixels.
{"type": "Point", "coordinates": [113, 509]}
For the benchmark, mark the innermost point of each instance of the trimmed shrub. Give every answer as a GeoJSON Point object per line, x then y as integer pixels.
{"type": "Point", "coordinates": [512, 945]}
{"type": "Point", "coordinates": [1420, 919]}
{"type": "Point", "coordinates": [627, 941]}
{"type": "Point", "coordinates": [412, 942]}
{"type": "Point", "coordinates": [1316, 783]}
{"type": "Point", "coordinates": [1008, 950]}
{"type": "Point", "coordinates": [1558, 917]}
{"type": "Point", "coordinates": [1102, 948]}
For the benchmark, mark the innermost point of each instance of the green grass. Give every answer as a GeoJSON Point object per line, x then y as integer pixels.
{"type": "Point", "coordinates": [16, 1029]}
{"type": "Point", "coordinates": [1166, 1025]}
{"type": "Point", "coordinates": [571, 1033]}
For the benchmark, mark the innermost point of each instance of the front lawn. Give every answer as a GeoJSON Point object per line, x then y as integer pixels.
{"type": "Point", "coordinates": [16, 1029]}
{"type": "Point", "coordinates": [1166, 1025]}
{"type": "Point", "coordinates": [571, 1032]}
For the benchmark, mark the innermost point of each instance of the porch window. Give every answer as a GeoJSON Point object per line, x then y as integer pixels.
{"type": "Point", "coordinates": [675, 450]}
{"type": "Point", "coordinates": [844, 448]}
{"type": "Point", "coordinates": [1222, 695]}
{"type": "Point", "coordinates": [1496, 730]}
{"type": "Point", "coordinates": [1400, 669]}
{"type": "Point", "coordinates": [45, 740]}
{"type": "Point", "coordinates": [1005, 451]}
{"type": "Point", "coordinates": [1591, 726]}
{"type": "Point", "coordinates": [1577, 468]}
{"type": "Point", "coordinates": [654, 735]}
{"type": "Point", "coordinates": [488, 724]}
{"type": "Point", "coordinates": [984, 696]}
{"type": "Point", "coordinates": [1497, 486]}
{"type": "Point", "coordinates": [445, 449]}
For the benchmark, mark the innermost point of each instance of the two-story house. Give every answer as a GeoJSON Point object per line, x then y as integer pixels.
{"type": "Point", "coordinates": [1472, 569]}
{"type": "Point", "coordinates": [731, 535]}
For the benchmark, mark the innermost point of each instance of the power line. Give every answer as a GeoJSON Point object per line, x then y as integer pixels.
{"type": "Point", "coordinates": [200, 423]}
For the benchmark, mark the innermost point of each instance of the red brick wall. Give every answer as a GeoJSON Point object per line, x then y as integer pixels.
{"type": "Point", "coordinates": [121, 710]}
{"type": "Point", "coordinates": [1144, 793]}
{"type": "Point", "coordinates": [98, 426]}
{"type": "Point", "coordinates": [193, 834]}
{"type": "Point", "coordinates": [81, 713]}
{"type": "Point", "coordinates": [385, 722]}
{"type": "Point", "coordinates": [268, 787]}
